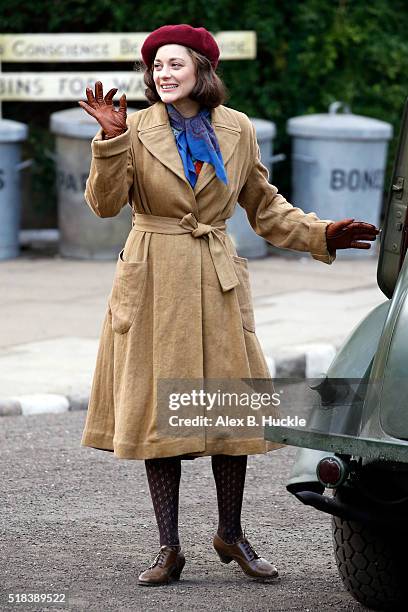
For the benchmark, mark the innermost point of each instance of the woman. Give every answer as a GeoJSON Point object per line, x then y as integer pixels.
{"type": "Point", "coordinates": [180, 306]}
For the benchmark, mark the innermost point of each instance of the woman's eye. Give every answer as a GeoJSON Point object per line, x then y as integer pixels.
{"type": "Point", "coordinates": [158, 67]}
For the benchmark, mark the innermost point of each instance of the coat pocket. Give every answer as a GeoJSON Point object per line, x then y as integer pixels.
{"type": "Point", "coordinates": [126, 296]}
{"type": "Point", "coordinates": [244, 293]}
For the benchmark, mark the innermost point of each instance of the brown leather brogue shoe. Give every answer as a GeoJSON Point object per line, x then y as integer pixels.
{"type": "Point", "coordinates": [166, 567]}
{"type": "Point", "coordinates": [244, 554]}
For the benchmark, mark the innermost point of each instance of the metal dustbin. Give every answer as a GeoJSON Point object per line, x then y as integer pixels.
{"type": "Point", "coordinates": [338, 164]}
{"type": "Point", "coordinates": [83, 235]}
{"type": "Point", "coordinates": [245, 239]}
{"type": "Point", "coordinates": [12, 134]}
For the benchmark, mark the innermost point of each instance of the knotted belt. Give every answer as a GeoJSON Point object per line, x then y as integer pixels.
{"type": "Point", "coordinates": [220, 255]}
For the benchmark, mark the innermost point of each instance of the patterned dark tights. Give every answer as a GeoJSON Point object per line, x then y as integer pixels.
{"type": "Point", "coordinates": [229, 475]}
{"type": "Point", "coordinates": [163, 476]}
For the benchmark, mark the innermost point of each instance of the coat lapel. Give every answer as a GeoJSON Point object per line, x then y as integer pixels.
{"type": "Point", "coordinates": [157, 136]}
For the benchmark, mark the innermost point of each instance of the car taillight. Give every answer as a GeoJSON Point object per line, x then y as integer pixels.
{"type": "Point", "coordinates": [331, 471]}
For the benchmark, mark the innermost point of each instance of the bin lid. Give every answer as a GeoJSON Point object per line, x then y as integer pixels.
{"type": "Point", "coordinates": [76, 123]}
{"type": "Point", "coordinates": [265, 130]}
{"type": "Point", "coordinates": [12, 131]}
{"type": "Point", "coordinates": [335, 126]}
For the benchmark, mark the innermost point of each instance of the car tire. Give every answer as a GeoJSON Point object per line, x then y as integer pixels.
{"type": "Point", "coordinates": [370, 560]}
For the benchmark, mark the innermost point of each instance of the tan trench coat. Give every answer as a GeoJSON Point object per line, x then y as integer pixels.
{"type": "Point", "coordinates": [181, 304]}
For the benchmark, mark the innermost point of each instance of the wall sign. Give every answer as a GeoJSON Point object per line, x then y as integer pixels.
{"type": "Point", "coordinates": [105, 47]}
{"type": "Point", "coordinates": [42, 86]}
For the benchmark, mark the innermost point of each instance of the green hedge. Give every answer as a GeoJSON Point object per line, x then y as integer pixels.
{"type": "Point", "coordinates": [309, 54]}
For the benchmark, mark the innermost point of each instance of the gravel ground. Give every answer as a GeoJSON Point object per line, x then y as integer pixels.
{"type": "Point", "coordinates": [78, 520]}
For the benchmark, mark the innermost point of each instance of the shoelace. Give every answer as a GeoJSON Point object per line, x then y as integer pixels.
{"type": "Point", "coordinates": [158, 560]}
{"type": "Point", "coordinates": [248, 548]}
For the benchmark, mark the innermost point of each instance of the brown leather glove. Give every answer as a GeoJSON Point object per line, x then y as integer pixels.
{"type": "Point", "coordinates": [113, 122]}
{"type": "Point", "coordinates": [347, 233]}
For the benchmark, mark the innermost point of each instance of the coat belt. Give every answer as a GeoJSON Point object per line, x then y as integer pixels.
{"type": "Point", "coordinates": [215, 234]}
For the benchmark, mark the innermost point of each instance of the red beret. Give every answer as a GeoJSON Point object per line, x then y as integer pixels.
{"type": "Point", "coordinates": [198, 39]}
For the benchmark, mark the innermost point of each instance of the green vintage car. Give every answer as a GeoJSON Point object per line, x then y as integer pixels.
{"type": "Point", "coordinates": [356, 439]}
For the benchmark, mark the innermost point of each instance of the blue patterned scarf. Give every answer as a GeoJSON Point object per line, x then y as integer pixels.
{"type": "Point", "coordinates": [196, 140]}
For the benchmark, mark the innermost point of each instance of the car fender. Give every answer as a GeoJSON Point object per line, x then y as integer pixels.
{"type": "Point", "coordinates": [352, 361]}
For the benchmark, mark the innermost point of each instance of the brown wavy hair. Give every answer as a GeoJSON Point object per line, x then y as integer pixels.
{"type": "Point", "coordinates": [208, 91]}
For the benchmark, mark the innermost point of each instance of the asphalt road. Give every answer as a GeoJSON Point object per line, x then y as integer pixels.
{"type": "Point", "coordinates": [80, 521]}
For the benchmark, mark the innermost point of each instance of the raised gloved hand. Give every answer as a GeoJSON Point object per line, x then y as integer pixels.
{"type": "Point", "coordinates": [113, 122]}
{"type": "Point", "coordinates": [347, 233]}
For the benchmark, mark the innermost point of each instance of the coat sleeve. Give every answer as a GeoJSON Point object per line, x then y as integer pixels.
{"type": "Point", "coordinates": [273, 218]}
{"type": "Point", "coordinates": [110, 183]}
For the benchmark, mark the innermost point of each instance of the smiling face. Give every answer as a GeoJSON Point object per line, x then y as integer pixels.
{"type": "Point", "coordinates": [174, 74]}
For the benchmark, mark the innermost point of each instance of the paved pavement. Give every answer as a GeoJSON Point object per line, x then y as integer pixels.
{"type": "Point", "coordinates": [76, 520]}
{"type": "Point", "coordinates": [51, 312]}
